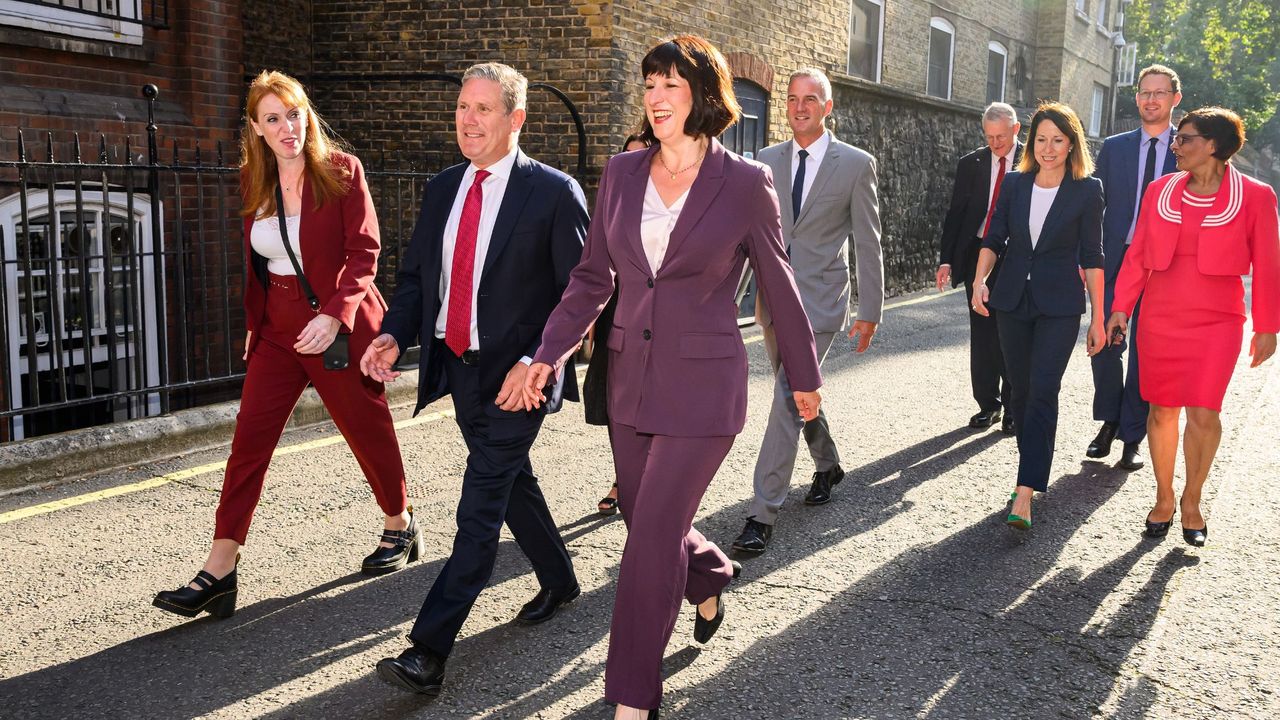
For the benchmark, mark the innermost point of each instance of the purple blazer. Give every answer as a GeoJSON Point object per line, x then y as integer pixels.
{"type": "Point", "coordinates": [677, 365]}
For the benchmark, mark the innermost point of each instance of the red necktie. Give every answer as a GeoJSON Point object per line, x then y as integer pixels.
{"type": "Point", "coordinates": [995, 194]}
{"type": "Point", "coordinates": [457, 325]}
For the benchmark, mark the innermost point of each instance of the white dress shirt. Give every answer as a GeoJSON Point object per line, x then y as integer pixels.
{"type": "Point", "coordinates": [264, 236]}
{"type": "Point", "coordinates": [817, 150]}
{"type": "Point", "coordinates": [656, 223]}
{"type": "Point", "coordinates": [492, 189]}
{"type": "Point", "coordinates": [1162, 151]}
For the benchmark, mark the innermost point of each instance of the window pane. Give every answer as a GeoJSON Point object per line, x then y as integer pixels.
{"type": "Point", "coordinates": [939, 63]}
{"type": "Point", "coordinates": [864, 38]}
{"type": "Point", "coordinates": [995, 76]}
{"type": "Point", "coordinates": [1095, 117]}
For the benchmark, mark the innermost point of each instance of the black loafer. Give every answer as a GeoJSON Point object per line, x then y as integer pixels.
{"type": "Point", "coordinates": [415, 670]}
{"type": "Point", "coordinates": [703, 629]}
{"type": "Point", "coordinates": [1101, 445]}
{"type": "Point", "coordinates": [820, 491]}
{"type": "Point", "coordinates": [1131, 459]}
{"type": "Point", "coordinates": [215, 596]}
{"type": "Point", "coordinates": [1196, 538]}
{"type": "Point", "coordinates": [985, 419]}
{"type": "Point", "coordinates": [406, 547]}
{"type": "Point", "coordinates": [754, 538]}
{"type": "Point", "coordinates": [546, 604]}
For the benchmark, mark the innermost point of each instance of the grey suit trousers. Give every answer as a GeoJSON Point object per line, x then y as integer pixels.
{"type": "Point", "coordinates": [777, 457]}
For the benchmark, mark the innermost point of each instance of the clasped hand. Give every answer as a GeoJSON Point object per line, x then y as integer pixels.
{"type": "Point", "coordinates": [317, 335]}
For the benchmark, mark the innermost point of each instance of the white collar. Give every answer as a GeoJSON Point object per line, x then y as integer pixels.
{"type": "Point", "coordinates": [1169, 204]}
{"type": "Point", "coordinates": [816, 149]}
{"type": "Point", "coordinates": [502, 168]}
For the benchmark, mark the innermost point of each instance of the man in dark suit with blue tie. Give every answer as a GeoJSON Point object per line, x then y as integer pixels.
{"type": "Point", "coordinates": [490, 256]}
{"type": "Point", "coordinates": [973, 201]}
{"type": "Point", "coordinates": [1126, 164]}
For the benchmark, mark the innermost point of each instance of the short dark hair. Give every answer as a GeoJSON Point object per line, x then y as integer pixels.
{"type": "Point", "coordinates": [1079, 163]}
{"type": "Point", "coordinates": [634, 137]}
{"type": "Point", "coordinates": [703, 66]}
{"type": "Point", "coordinates": [1174, 81]}
{"type": "Point", "coordinates": [1222, 126]}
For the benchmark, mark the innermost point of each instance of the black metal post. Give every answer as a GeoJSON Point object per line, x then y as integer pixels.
{"type": "Point", "coordinates": [151, 92]}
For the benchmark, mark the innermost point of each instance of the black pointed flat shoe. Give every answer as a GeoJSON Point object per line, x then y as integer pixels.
{"type": "Point", "coordinates": [216, 596]}
{"type": "Point", "coordinates": [1196, 538]}
{"type": "Point", "coordinates": [406, 547]}
{"type": "Point", "coordinates": [704, 629]}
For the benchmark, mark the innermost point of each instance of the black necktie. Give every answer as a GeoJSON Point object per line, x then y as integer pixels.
{"type": "Point", "coordinates": [1148, 173]}
{"type": "Point", "coordinates": [797, 188]}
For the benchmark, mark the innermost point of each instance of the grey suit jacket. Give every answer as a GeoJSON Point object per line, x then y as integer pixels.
{"type": "Point", "coordinates": [840, 210]}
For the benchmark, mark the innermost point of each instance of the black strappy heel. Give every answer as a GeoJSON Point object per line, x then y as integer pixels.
{"type": "Point", "coordinates": [215, 596]}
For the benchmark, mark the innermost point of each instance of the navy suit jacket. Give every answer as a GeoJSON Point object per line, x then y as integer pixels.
{"type": "Point", "coordinates": [537, 240]}
{"type": "Point", "coordinates": [1072, 234]}
{"type": "Point", "coordinates": [1118, 169]}
{"type": "Point", "coordinates": [968, 209]}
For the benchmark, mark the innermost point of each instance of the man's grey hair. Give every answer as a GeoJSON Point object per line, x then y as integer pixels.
{"type": "Point", "coordinates": [1000, 111]}
{"type": "Point", "coordinates": [515, 87]}
{"type": "Point", "coordinates": [817, 76]}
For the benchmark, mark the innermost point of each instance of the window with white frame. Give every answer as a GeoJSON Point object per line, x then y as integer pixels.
{"type": "Point", "coordinates": [69, 17]}
{"type": "Point", "coordinates": [1104, 7]}
{"type": "Point", "coordinates": [1095, 110]}
{"type": "Point", "coordinates": [58, 289]}
{"type": "Point", "coordinates": [866, 37]}
{"type": "Point", "coordinates": [1128, 65]}
{"type": "Point", "coordinates": [942, 45]}
{"type": "Point", "coordinates": [997, 68]}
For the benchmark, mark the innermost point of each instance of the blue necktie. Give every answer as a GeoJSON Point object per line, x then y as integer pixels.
{"type": "Point", "coordinates": [797, 188]}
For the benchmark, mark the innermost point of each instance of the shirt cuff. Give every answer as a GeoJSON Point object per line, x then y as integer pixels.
{"type": "Point", "coordinates": [526, 360]}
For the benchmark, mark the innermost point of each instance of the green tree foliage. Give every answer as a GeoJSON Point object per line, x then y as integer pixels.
{"type": "Point", "coordinates": [1225, 51]}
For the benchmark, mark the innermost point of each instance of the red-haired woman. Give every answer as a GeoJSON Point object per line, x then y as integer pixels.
{"type": "Point", "coordinates": [288, 159]}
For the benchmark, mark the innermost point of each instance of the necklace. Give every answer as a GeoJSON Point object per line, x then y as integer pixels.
{"type": "Point", "coordinates": [674, 173]}
{"type": "Point", "coordinates": [288, 186]}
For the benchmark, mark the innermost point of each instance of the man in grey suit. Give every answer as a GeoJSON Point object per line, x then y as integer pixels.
{"type": "Point", "coordinates": [827, 194]}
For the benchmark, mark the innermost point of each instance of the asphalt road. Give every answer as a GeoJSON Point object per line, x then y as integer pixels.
{"type": "Point", "coordinates": [906, 597]}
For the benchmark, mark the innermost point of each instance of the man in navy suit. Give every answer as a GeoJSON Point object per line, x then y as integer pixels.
{"type": "Point", "coordinates": [1127, 163]}
{"type": "Point", "coordinates": [973, 201]}
{"type": "Point", "coordinates": [490, 256]}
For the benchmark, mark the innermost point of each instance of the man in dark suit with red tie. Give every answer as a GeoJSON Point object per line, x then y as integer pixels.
{"type": "Point", "coordinates": [978, 178]}
{"type": "Point", "coordinates": [490, 256]}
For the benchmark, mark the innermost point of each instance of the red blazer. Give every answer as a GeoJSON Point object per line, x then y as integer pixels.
{"type": "Point", "coordinates": [340, 244]}
{"type": "Point", "coordinates": [1240, 231]}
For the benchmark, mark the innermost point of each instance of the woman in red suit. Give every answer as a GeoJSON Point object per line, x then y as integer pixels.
{"type": "Point", "coordinates": [1199, 231]}
{"type": "Point", "coordinates": [332, 229]}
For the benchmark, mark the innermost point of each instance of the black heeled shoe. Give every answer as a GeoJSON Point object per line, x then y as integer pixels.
{"type": "Point", "coordinates": [215, 596]}
{"type": "Point", "coordinates": [406, 546]}
{"type": "Point", "coordinates": [1157, 530]}
{"type": "Point", "coordinates": [1196, 538]}
{"type": "Point", "coordinates": [704, 629]}
{"type": "Point", "coordinates": [608, 505]}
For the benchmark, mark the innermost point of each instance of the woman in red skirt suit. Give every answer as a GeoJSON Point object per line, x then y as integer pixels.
{"type": "Point", "coordinates": [1199, 231]}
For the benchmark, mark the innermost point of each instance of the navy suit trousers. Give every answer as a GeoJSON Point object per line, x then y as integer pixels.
{"type": "Point", "coordinates": [1117, 397]}
{"type": "Point", "coordinates": [498, 486]}
{"type": "Point", "coordinates": [1036, 349]}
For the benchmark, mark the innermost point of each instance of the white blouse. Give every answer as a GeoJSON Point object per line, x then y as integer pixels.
{"type": "Point", "coordinates": [264, 236]}
{"type": "Point", "coordinates": [656, 223]}
{"type": "Point", "coordinates": [1041, 201]}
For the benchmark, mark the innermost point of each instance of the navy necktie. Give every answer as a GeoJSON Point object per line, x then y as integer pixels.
{"type": "Point", "coordinates": [1149, 172]}
{"type": "Point", "coordinates": [797, 187]}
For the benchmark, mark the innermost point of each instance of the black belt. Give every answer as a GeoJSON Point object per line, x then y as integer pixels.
{"type": "Point", "coordinates": [470, 358]}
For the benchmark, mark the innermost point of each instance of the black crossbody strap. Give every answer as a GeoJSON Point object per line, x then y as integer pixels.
{"type": "Point", "coordinates": [297, 268]}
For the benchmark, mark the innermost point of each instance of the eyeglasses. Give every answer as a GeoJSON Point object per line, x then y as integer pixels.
{"type": "Point", "coordinates": [1154, 94]}
{"type": "Point", "coordinates": [1181, 138]}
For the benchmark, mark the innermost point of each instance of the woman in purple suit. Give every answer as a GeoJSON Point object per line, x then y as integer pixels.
{"type": "Point", "coordinates": [673, 225]}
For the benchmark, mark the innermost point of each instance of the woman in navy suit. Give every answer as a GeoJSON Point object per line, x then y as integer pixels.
{"type": "Point", "coordinates": [673, 226]}
{"type": "Point", "coordinates": [1047, 225]}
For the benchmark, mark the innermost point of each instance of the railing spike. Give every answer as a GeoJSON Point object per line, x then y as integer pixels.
{"type": "Point", "coordinates": [102, 149]}
{"type": "Point", "coordinates": [22, 147]}
{"type": "Point", "coordinates": [75, 147]}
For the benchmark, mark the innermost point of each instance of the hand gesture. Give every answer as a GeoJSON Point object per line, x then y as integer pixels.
{"type": "Point", "coordinates": [317, 335]}
{"type": "Point", "coordinates": [981, 296]}
{"type": "Point", "coordinates": [535, 379]}
{"type": "Point", "coordinates": [864, 330]}
{"type": "Point", "coordinates": [1096, 339]}
{"type": "Point", "coordinates": [512, 396]}
{"type": "Point", "coordinates": [1261, 348]}
{"type": "Point", "coordinates": [807, 403]}
{"type": "Point", "coordinates": [1117, 327]}
{"type": "Point", "coordinates": [378, 358]}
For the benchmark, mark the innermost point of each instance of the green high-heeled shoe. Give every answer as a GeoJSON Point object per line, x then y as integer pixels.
{"type": "Point", "coordinates": [1019, 522]}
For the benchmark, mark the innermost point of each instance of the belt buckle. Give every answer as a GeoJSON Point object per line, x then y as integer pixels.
{"type": "Point", "coordinates": [470, 358]}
